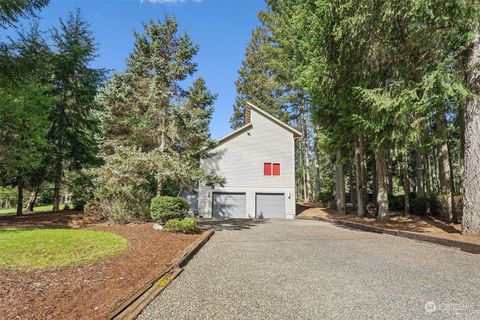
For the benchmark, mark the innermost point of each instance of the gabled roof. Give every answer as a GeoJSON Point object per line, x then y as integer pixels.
{"type": "Point", "coordinates": [250, 106]}
{"type": "Point", "coordinates": [248, 123]}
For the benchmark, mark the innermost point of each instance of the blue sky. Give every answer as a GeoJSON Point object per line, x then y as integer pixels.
{"type": "Point", "coordinates": [221, 29]}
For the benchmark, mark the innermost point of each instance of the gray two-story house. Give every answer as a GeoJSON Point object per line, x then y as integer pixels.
{"type": "Point", "coordinates": [258, 163]}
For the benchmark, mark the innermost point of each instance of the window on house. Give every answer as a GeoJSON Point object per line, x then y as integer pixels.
{"type": "Point", "coordinates": [271, 169]}
{"type": "Point", "coordinates": [276, 169]}
{"type": "Point", "coordinates": [267, 169]}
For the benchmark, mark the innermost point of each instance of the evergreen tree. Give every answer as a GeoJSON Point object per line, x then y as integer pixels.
{"type": "Point", "coordinates": [147, 101]}
{"type": "Point", "coordinates": [12, 10]}
{"type": "Point", "coordinates": [25, 102]}
{"type": "Point", "coordinates": [257, 83]}
{"type": "Point", "coordinates": [154, 122]}
{"type": "Point", "coordinates": [74, 118]}
{"type": "Point", "coordinates": [196, 113]}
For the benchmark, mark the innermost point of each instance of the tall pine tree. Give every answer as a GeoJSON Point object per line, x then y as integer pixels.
{"type": "Point", "coordinates": [149, 109]}
{"type": "Point", "coordinates": [74, 120]}
{"type": "Point", "coordinates": [156, 130]}
{"type": "Point", "coordinates": [257, 82]}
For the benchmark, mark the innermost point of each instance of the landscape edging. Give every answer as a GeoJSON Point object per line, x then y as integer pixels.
{"type": "Point", "coordinates": [132, 307]}
{"type": "Point", "coordinates": [462, 245]}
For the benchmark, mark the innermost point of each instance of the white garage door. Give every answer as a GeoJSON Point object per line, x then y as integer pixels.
{"type": "Point", "coordinates": [229, 205]}
{"type": "Point", "coordinates": [270, 206]}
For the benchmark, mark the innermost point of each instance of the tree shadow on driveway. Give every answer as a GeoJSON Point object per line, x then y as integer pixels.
{"type": "Point", "coordinates": [229, 224]}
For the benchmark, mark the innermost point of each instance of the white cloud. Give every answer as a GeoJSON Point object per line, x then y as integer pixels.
{"type": "Point", "coordinates": [168, 1]}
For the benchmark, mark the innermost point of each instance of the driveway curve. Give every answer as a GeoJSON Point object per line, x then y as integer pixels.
{"type": "Point", "coordinates": [297, 269]}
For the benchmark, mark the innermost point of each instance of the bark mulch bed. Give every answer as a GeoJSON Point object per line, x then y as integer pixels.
{"type": "Point", "coordinates": [91, 291]}
{"type": "Point", "coordinates": [421, 224]}
{"type": "Point", "coordinates": [49, 219]}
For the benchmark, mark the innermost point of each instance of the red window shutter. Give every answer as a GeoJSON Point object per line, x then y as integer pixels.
{"type": "Point", "coordinates": [276, 169]}
{"type": "Point", "coordinates": [267, 169]}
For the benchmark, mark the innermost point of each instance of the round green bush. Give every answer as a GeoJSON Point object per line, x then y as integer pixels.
{"type": "Point", "coordinates": [165, 208]}
{"type": "Point", "coordinates": [420, 206]}
{"type": "Point", "coordinates": [327, 198]}
{"type": "Point", "coordinates": [187, 225]}
{"type": "Point", "coordinates": [396, 203]}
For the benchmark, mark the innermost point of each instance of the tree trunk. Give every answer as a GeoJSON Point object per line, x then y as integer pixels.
{"type": "Point", "coordinates": [308, 187]}
{"type": "Point", "coordinates": [304, 177]}
{"type": "Point", "coordinates": [461, 159]}
{"type": "Point", "coordinates": [159, 190]}
{"type": "Point", "coordinates": [340, 185]}
{"type": "Point", "coordinates": [390, 172]}
{"type": "Point", "coordinates": [20, 185]}
{"type": "Point", "coordinates": [436, 180]}
{"type": "Point", "coordinates": [57, 179]}
{"type": "Point", "coordinates": [471, 167]}
{"type": "Point", "coordinates": [406, 182]}
{"type": "Point", "coordinates": [374, 179]}
{"type": "Point", "coordinates": [419, 174]}
{"type": "Point", "coordinates": [33, 199]}
{"type": "Point", "coordinates": [298, 178]}
{"type": "Point", "coordinates": [382, 197]}
{"type": "Point", "coordinates": [306, 158]}
{"type": "Point", "coordinates": [360, 170]}
{"type": "Point", "coordinates": [444, 169]}
{"type": "Point", "coordinates": [317, 165]}
{"type": "Point", "coordinates": [163, 145]}
{"type": "Point", "coordinates": [429, 174]}
{"type": "Point", "coordinates": [351, 183]}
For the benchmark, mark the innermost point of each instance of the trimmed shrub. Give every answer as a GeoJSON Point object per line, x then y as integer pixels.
{"type": "Point", "coordinates": [327, 198]}
{"type": "Point", "coordinates": [437, 203]}
{"type": "Point", "coordinates": [187, 225]}
{"type": "Point", "coordinates": [420, 206]}
{"type": "Point", "coordinates": [396, 203]}
{"type": "Point", "coordinates": [166, 208]}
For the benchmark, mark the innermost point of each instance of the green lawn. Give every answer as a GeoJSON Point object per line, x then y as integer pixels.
{"type": "Point", "coordinates": [40, 208]}
{"type": "Point", "coordinates": [25, 249]}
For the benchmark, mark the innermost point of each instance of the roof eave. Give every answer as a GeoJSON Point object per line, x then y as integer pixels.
{"type": "Point", "coordinates": [234, 133]}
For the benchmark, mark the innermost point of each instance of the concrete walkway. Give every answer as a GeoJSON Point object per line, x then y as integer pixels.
{"type": "Point", "coordinates": [314, 270]}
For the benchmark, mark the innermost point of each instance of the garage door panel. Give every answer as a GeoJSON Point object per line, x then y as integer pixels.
{"type": "Point", "coordinates": [229, 205]}
{"type": "Point", "coordinates": [270, 206]}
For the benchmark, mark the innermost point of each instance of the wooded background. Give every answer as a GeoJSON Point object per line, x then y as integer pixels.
{"type": "Point", "coordinates": [384, 92]}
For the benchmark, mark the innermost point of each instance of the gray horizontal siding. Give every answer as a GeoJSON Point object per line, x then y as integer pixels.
{"type": "Point", "coordinates": [240, 161]}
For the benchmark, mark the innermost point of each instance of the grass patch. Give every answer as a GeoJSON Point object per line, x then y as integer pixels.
{"type": "Point", "coordinates": [24, 249]}
{"type": "Point", "coordinates": [40, 208]}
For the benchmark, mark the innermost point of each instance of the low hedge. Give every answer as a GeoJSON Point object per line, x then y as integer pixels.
{"type": "Point", "coordinates": [187, 225]}
{"type": "Point", "coordinates": [327, 198]}
{"type": "Point", "coordinates": [420, 206]}
{"type": "Point", "coordinates": [396, 203]}
{"type": "Point", "coordinates": [166, 208]}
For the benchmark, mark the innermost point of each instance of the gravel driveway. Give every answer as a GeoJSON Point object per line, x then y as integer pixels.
{"type": "Point", "coordinates": [313, 270]}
